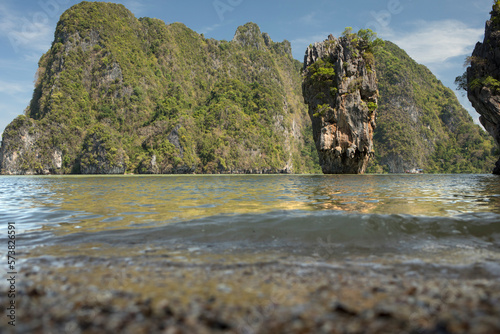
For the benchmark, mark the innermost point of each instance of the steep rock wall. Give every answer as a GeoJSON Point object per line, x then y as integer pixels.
{"type": "Point", "coordinates": [19, 150]}
{"type": "Point", "coordinates": [340, 87]}
{"type": "Point", "coordinates": [483, 78]}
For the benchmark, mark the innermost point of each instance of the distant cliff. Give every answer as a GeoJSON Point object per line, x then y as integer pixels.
{"type": "Point", "coordinates": [116, 94]}
{"type": "Point", "coordinates": [421, 123]}
{"type": "Point", "coordinates": [483, 78]}
{"type": "Point", "coordinates": [340, 87]}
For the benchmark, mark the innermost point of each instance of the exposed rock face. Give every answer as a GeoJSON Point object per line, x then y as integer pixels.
{"type": "Point", "coordinates": [18, 151]}
{"type": "Point", "coordinates": [340, 87]}
{"type": "Point", "coordinates": [483, 78]}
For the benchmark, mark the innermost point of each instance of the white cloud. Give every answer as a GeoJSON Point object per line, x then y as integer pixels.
{"type": "Point", "coordinates": [482, 4]}
{"type": "Point", "coordinates": [6, 24]}
{"type": "Point", "coordinates": [441, 46]}
{"type": "Point", "coordinates": [36, 37]}
{"type": "Point", "coordinates": [12, 88]}
{"type": "Point", "coordinates": [432, 43]}
{"type": "Point", "coordinates": [30, 32]}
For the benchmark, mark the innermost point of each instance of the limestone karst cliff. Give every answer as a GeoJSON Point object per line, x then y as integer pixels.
{"type": "Point", "coordinates": [118, 94]}
{"type": "Point", "coordinates": [483, 78]}
{"type": "Point", "coordinates": [340, 87]}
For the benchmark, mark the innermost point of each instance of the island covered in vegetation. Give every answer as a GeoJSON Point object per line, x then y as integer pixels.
{"type": "Point", "coordinates": [116, 94]}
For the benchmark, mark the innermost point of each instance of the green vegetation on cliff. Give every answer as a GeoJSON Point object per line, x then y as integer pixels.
{"type": "Point", "coordinates": [115, 93]}
{"type": "Point", "coordinates": [421, 124]}
{"type": "Point", "coordinates": [166, 100]}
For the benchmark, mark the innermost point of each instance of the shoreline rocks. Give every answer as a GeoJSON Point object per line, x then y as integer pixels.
{"type": "Point", "coordinates": [166, 296]}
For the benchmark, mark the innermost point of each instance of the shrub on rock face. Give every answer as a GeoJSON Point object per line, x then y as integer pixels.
{"type": "Point", "coordinates": [102, 152]}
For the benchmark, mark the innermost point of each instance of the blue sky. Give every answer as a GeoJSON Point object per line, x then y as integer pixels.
{"type": "Point", "coordinates": [436, 33]}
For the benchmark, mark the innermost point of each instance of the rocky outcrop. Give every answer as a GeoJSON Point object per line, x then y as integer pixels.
{"type": "Point", "coordinates": [19, 154]}
{"type": "Point", "coordinates": [340, 87]}
{"type": "Point", "coordinates": [250, 36]}
{"type": "Point", "coordinates": [483, 78]}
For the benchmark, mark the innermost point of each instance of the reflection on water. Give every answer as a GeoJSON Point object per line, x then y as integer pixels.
{"type": "Point", "coordinates": [105, 202]}
{"type": "Point", "coordinates": [73, 220]}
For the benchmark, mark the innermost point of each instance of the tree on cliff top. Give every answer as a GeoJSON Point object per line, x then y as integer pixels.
{"type": "Point", "coordinates": [365, 39]}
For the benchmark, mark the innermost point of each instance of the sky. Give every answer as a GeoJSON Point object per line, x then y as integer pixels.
{"type": "Point", "coordinates": [436, 33]}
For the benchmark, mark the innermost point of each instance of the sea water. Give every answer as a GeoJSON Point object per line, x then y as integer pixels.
{"type": "Point", "coordinates": [426, 221]}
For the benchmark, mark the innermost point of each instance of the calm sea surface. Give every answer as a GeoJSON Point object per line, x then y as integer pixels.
{"type": "Point", "coordinates": [450, 221]}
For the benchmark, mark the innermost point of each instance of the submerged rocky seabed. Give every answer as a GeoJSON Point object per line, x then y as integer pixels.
{"type": "Point", "coordinates": [189, 291]}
